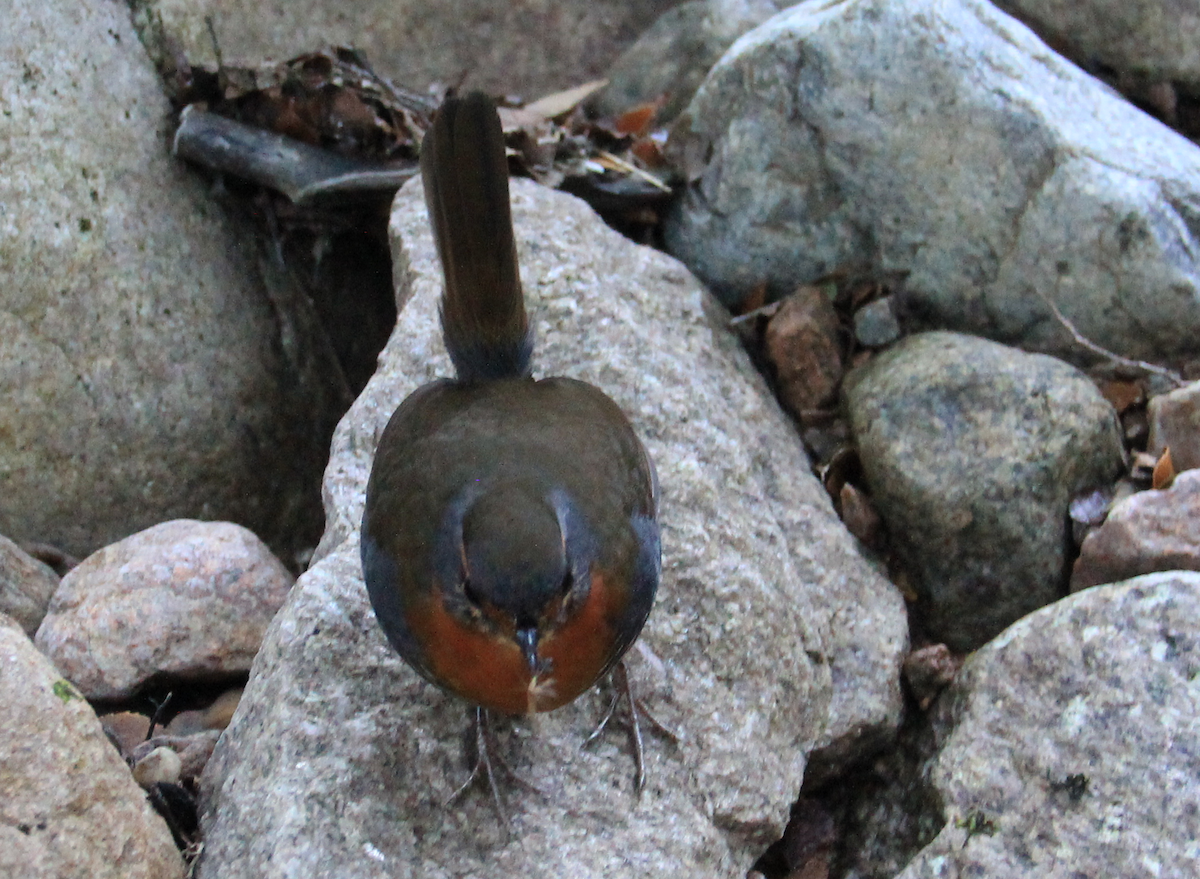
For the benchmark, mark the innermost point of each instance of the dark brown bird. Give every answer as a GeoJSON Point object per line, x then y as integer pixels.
{"type": "Point", "coordinates": [509, 540]}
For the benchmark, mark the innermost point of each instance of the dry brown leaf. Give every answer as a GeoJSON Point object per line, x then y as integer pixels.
{"type": "Point", "coordinates": [859, 516]}
{"type": "Point", "coordinates": [1164, 471]}
{"type": "Point", "coordinates": [514, 119]}
{"type": "Point", "coordinates": [559, 103]}
{"type": "Point", "coordinates": [1123, 394]}
{"type": "Point", "coordinates": [649, 151]}
{"type": "Point", "coordinates": [637, 121]}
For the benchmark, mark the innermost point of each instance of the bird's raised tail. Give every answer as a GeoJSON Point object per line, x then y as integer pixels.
{"type": "Point", "coordinates": [466, 190]}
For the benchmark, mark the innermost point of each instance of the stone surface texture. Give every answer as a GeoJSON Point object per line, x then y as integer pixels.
{"type": "Point", "coordinates": [25, 586]}
{"type": "Point", "coordinates": [530, 47]}
{"type": "Point", "coordinates": [803, 342]}
{"type": "Point", "coordinates": [1150, 531]}
{"type": "Point", "coordinates": [1149, 39]}
{"type": "Point", "coordinates": [185, 599]}
{"type": "Point", "coordinates": [1066, 747]}
{"type": "Point", "coordinates": [1175, 423]}
{"type": "Point", "coordinates": [972, 452]}
{"type": "Point", "coordinates": [771, 636]}
{"type": "Point", "coordinates": [71, 809]}
{"type": "Point", "coordinates": [944, 148]}
{"type": "Point", "coordinates": [671, 57]}
{"type": "Point", "coordinates": [142, 376]}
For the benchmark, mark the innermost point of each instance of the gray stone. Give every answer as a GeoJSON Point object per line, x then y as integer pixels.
{"type": "Point", "coordinates": [530, 47]}
{"type": "Point", "coordinates": [1066, 747]}
{"type": "Point", "coordinates": [142, 374]}
{"type": "Point", "coordinates": [973, 452]}
{"type": "Point", "coordinates": [770, 637]}
{"type": "Point", "coordinates": [1175, 423]}
{"type": "Point", "coordinates": [1150, 531]}
{"type": "Point", "coordinates": [71, 807]}
{"type": "Point", "coordinates": [875, 324]}
{"type": "Point", "coordinates": [25, 586]}
{"type": "Point", "coordinates": [671, 58]}
{"type": "Point", "coordinates": [946, 146]}
{"type": "Point", "coordinates": [1149, 39]}
{"type": "Point", "coordinates": [186, 599]}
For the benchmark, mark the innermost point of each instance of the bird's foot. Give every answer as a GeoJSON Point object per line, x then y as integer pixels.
{"type": "Point", "coordinates": [624, 692]}
{"type": "Point", "coordinates": [488, 765]}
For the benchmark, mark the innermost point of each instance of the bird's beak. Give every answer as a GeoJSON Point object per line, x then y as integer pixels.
{"type": "Point", "coordinates": [527, 639]}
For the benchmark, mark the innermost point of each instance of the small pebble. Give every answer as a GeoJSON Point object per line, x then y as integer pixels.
{"type": "Point", "coordinates": [875, 324]}
{"type": "Point", "coordinates": [159, 766]}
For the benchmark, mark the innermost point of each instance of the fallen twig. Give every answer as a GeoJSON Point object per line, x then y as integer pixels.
{"type": "Point", "coordinates": [1117, 359]}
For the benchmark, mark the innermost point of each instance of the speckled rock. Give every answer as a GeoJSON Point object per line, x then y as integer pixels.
{"type": "Point", "coordinates": [1150, 39]}
{"type": "Point", "coordinates": [771, 636]}
{"type": "Point", "coordinates": [1066, 747]}
{"type": "Point", "coordinates": [144, 374]}
{"type": "Point", "coordinates": [184, 598]}
{"type": "Point", "coordinates": [1175, 423]}
{"type": "Point", "coordinates": [25, 586]}
{"type": "Point", "coordinates": [973, 452]}
{"type": "Point", "coordinates": [71, 808]}
{"type": "Point", "coordinates": [944, 144]}
{"type": "Point", "coordinates": [803, 344]}
{"type": "Point", "coordinates": [1150, 531]}
{"type": "Point", "coordinates": [672, 56]}
{"type": "Point", "coordinates": [526, 46]}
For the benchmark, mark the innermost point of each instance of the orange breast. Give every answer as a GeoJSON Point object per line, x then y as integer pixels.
{"type": "Point", "coordinates": [581, 647]}
{"type": "Point", "coordinates": [489, 670]}
{"type": "Point", "coordinates": [485, 668]}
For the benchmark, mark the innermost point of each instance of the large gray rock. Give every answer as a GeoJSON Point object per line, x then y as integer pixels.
{"type": "Point", "coordinates": [1149, 39]}
{"type": "Point", "coordinates": [142, 375]}
{"type": "Point", "coordinates": [25, 586]}
{"type": "Point", "coordinates": [973, 452]}
{"type": "Point", "coordinates": [671, 58]}
{"type": "Point", "coordinates": [942, 147]}
{"type": "Point", "coordinates": [186, 599]}
{"type": "Point", "coordinates": [771, 636]}
{"type": "Point", "coordinates": [529, 47]}
{"type": "Point", "coordinates": [71, 808]}
{"type": "Point", "coordinates": [1067, 747]}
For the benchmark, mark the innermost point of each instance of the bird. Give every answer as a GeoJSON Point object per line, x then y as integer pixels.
{"type": "Point", "coordinates": [510, 540]}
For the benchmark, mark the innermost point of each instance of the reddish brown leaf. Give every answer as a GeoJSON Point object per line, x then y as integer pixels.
{"type": "Point", "coordinates": [859, 516]}
{"type": "Point", "coordinates": [648, 150]}
{"type": "Point", "coordinates": [637, 121]}
{"type": "Point", "coordinates": [1164, 471]}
